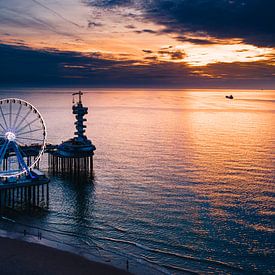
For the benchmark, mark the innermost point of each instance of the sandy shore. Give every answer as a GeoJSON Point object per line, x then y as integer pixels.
{"type": "Point", "coordinates": [19, 257]}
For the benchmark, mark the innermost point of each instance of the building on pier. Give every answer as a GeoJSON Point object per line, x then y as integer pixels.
{"type": "Point", "coordinates": [76, 154]}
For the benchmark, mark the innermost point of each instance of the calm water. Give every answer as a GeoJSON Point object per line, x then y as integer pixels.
{"type": "Point", "coordinates": [183, 179]}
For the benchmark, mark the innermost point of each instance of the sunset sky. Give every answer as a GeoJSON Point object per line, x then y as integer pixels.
{"type": "Point", "coordinates": [193, 43]}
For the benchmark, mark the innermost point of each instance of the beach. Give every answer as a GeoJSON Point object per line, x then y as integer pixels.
{"type": "Point", "coordinates": [19, 257]}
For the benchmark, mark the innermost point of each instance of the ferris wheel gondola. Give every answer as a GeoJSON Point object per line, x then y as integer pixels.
{"type": "Point", "coordinates": [22, 129]}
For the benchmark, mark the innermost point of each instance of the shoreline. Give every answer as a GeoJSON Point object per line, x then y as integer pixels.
{"type": "Point", "coordinates": [30, 239]}
{"type": "Point", "coordinates": [19, 256]}
{"type": "Point", "coordinates": [95, 256]}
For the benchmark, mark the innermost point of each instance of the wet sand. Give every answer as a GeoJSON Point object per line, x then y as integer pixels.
{"type": "Point", "coordinates": [19, 257]}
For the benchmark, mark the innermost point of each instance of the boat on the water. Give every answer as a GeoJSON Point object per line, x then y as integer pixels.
{"type": "Point", "coordinates": [229, 96]}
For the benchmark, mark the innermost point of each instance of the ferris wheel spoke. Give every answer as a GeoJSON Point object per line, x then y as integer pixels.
{"type": "Point", "coordinates": [29, 124]}
{"type": "Point", "coordinates": [3, 151]}
{"type": "Point", "coordinates": [3, 117]}
{"type": "Point", "coordinates": [2, 127]}
{"type": "Point", "coordinates": [31, 139]}
{"type": "Point", "coordinates": [10, 114]}
{"type": "Point", "coordinates": [21, 161]}
{"type": "Point", "coordinates": [17, 115]}
{"type": "Point", "coordinates": [28, 132]}
{"type": "Point", "coordinates": [4, 146]}
{"type": "Point", "coordinates": [23, 119]}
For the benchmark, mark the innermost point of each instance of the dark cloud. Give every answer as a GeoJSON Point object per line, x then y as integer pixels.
{"type": "Point", "coordinates": [251, 20]}
{"type": "Point", "coordinates": [177, 55]}
{"type": "Point", "coordinates": [108, 3]}
{"type": "Point", "coordinates": [92, 24]}
{"type": "Point", "coordinates": [17, 42]}
{"type": "Point", "coordinates": [242, 71]}
{"type": "Point", "coordinates": [24, 66]}
{"type": "Point", "coordinates": [147, 51]}
{"type": "Point", "coordinates": [151, 58]}
{"type": "Point", "coordinates": [183, 38]}
{"type": "Point", "coordinates": [146, 31]}
{"type": "Point", "coordinates": [242, 50]}
{"type": "Point", "coordinates": [174, 54]}
{"type": "Point", "coordinates": [130, 27]}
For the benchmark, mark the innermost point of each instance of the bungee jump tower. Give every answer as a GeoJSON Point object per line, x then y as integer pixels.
{"type": "Point", "coordinates": [75, 155]}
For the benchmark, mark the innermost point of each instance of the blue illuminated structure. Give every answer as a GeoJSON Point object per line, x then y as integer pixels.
{"type": "Point", "coordinates": [22, 143]}
{"type": "Point", "coordinates": [21, 126]}
{"type": "Point", "coordinates": [9, 146]}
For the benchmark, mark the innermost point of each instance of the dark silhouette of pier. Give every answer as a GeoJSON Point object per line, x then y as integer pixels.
{"type": "Point", "coordinates": [24, 193]}
{"type": "Point", "coordinates": [73, 157]}
{"type": "Point", "coordinates": [76, 154]}
{"type": "Point", "coordinates": [24, 190]}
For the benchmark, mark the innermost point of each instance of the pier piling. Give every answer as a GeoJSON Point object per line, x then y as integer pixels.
{"type": "Point", "coordinates": [24, 194]}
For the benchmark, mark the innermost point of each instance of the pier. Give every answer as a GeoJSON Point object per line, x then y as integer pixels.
{"type": "Point", "coordinates": [25, 193]}
{"type": "Point", "coordinates": [75, 155]}
{"type": "Point", "coordinates": [22, 143]}
{"type": "Point", "coordinates": [26, 190]}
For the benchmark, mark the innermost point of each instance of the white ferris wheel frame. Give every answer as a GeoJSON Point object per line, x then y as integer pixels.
{"type": "Point", "coordinates": [43, 146]}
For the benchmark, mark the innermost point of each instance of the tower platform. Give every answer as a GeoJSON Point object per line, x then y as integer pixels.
{"type": "Point", "coordinates": [76, 154]}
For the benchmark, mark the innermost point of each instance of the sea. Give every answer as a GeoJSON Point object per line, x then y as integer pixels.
{"type": "Point", "coordinates": [183, 180]}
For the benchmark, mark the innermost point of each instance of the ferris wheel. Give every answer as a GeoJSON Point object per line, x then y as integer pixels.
{"type": "Point", "coordinates": [22, 137]}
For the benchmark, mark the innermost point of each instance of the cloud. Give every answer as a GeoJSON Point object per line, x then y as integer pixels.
{"type": "Point", "coordinates": [197, 41]}
{"type": "Point", "coordinates": [146, 31]}
{"type": "Point", "coordinates": [151, 58]}
{"type": "Point", "coordinates": [147, 51]}
{"type": "Point", "coordinates": [92, 24]}
{"type": "Point", "coordinates": [130, 26]}
{"type": "Point", "coordinates": [251, 20]}
{"type": "Point", "coordinates": [258, 73]}
{"type": "Point", "coordinates": [177, 55]}
{"type": "Point", "coordinates": [108, 3]}
{"type": "Point", "coordinates": [172, 53]}
{"type": "Point", "coordinates": [21, 65]}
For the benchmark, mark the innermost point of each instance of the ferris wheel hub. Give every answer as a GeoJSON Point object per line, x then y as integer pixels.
{"type": "Point", "coordinates": [10, 136]}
